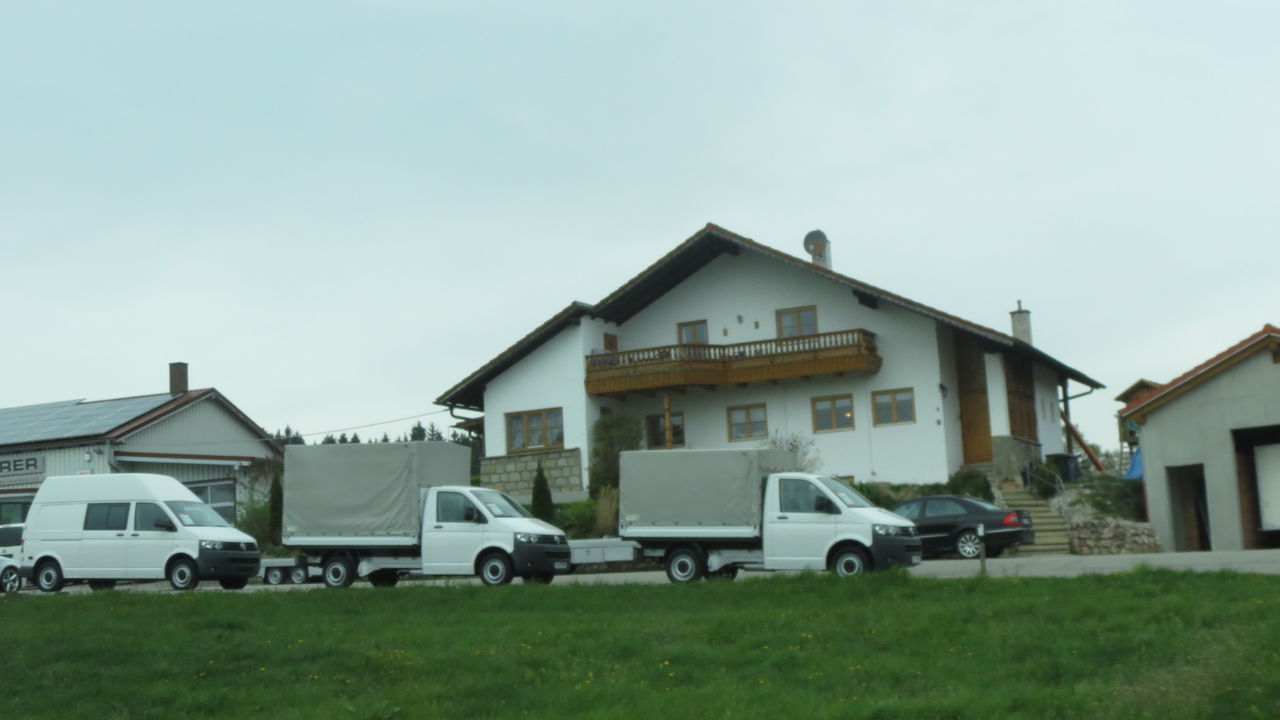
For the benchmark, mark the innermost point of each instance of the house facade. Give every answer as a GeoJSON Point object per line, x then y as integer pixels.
{"type": "Point", "coordinates": [1210, 449]}
{"type": "Point", "coordinates": [196, 436]}
{"type": "Point", "coordinates": [725, 342]}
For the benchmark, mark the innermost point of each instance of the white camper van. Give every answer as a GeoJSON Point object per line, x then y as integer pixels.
{"type": "Point", "coordinates": [104, 528]}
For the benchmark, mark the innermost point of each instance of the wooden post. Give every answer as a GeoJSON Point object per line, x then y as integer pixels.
{"type": "Point", "coordinates": [668, 438]}
{"type": "Point", "coordinates": [1066, 415]}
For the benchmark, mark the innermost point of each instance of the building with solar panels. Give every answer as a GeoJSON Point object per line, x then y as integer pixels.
{"type": "Point", "coordinates": [196, 436]}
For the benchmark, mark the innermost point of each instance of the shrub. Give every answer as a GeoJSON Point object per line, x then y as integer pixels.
{"type": "Point", "coordinates": [1113, 496]}
{"type": "Point", "coordinates": [542, 507]}
{"type": "Point", "coordinates": [577, 519]}
{"type": "Point", "coordinates": [255, 520]}
{"type": "Point", "coordinates": [612, 434]}
{"type": "Point", "coordinates": [968, 482]}
{"type": "Point", "coordinates": [607, 511]}
{"type": "Point", "coordinates": [275, 508]}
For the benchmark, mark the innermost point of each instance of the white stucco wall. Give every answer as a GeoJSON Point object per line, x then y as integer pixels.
{"type": "Point", "coordinates": [1048, 419]}
{"type": "Point", "coordinates": [997, 396]}
{"type": "Point", "coordinates": [1194, 429]}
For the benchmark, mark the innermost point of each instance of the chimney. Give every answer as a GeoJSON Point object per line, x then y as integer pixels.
{"type": "Point", "coordinates": [817, 245]}
{"type": "Point", "coordinates": [1021, 324]}
{"type": "Point", "coordinates": [177, 378]}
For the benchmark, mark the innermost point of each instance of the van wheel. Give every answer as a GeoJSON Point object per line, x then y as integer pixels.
{"type": "Point", "coordinates": [337, 572]}
{"type": "Point", "coordinates": [10, 580]}
{"type": "Point", "coordinates": [233, 583]}
{"type": "Point", "coordinates": [273, 576]}
{"type": "Point", "coordinates": [298, 575]}
{"type": "Point", "coordinates": [183, 575]}
{"type": "Point", "coordinates": [97, 585]}
{"type": "Point", "coordinates": [495, 569]}
{"type": "Point", "coordinates": [685, 564]}
{"type": "Point", "coordinates": [49, 576]}
{"type": "Point", "coordinates": [849, 561]}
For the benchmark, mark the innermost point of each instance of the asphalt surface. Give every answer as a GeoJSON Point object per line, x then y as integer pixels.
{"type": "Point", "coordinates": [1249, 561]}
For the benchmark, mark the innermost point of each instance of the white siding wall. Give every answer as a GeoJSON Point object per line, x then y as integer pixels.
{"type": "Point", "coordinates": [950, 419]}
{"type": "Point", "coordinates": [205, 428]}
{"type": "Point", "coordinates": [1048, 420]}
{"type": "Point", "coordinates": [997, 396]}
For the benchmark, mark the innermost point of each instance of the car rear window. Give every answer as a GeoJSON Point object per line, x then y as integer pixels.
{"type": "Point", "coordinates": [10, 535]}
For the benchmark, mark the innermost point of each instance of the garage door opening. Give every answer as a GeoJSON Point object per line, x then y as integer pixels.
{"type": "Point", "coordinates": [1190, 506]}
{"type": "Point", "coordinates": [1258, 476]}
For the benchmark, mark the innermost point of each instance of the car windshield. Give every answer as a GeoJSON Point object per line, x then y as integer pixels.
{"type": "Point", "coordinates": [847, 495]}
{"type": "Point", "coordinates": [196, 514]}
{"type": "Point", "coordinates": [500, 505]}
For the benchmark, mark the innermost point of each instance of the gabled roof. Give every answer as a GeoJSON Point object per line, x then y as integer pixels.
{"type": "Point", "coordinates": [73, 422]}
{"type": "Point", "coordinates": [681, 263]}
{"type": "Point", "coordinates": [1268, 336]}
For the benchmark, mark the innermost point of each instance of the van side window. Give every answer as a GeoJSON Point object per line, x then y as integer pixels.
{"type": "Point", "coordinates": [799, 496]}
{"type": "Point", "coordinates": [452, 507]}
{"type": "Point", "coordinates": [147, 515]}
{"type": "Point", "coordinates": [106, 516]}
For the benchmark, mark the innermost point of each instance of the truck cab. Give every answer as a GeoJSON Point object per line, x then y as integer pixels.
{"type": "Point", "coordinates": [477, 531]}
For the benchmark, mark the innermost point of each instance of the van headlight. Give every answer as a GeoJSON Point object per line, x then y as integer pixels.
{"type": "Point", "coordinates": [890, 530]}
{"type": "Point", "coordinates": [535, 539]}
{"type": "Point", "coordinates": [210, 545]}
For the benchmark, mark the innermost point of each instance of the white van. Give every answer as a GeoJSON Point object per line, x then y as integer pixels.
{"type": "Point", "coordinates": [104, 528]}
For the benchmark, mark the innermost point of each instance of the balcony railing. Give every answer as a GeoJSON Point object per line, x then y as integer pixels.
{"type": "Point", "coordinates": [683, 365]}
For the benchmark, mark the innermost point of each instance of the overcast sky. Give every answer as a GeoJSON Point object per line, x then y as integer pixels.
{"type": "Point", "coordinates": [334, 211]}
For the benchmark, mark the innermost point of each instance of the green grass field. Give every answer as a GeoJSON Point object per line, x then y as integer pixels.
{"type": "Point", "coordinates": [1149, 644]}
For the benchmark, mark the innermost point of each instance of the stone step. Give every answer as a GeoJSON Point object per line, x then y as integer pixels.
{"type": "Point", "coordinates": [1059, 549]}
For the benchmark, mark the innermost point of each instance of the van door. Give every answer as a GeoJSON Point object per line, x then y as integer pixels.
{"type": "Point", "coordinates": [152, 539]}
{"type": "Point", "coordinates": [449, 544]}
{"type": "Point", "coordinates": [104, 548]}
{"type": "Point", "coordinates": [799, 525]}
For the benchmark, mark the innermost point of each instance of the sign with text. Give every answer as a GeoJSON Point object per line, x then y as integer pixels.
{"type": "Point", "coordinates": [21, 465]}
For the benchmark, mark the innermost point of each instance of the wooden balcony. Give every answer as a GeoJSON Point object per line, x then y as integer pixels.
{"type": "Point", "coordinates": [672, 366]}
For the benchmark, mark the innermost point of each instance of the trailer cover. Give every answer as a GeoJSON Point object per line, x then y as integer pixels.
{"type": "Point", "coordinates": [696, 487]}
{"type": "Point", "coordinates": [366, 490]}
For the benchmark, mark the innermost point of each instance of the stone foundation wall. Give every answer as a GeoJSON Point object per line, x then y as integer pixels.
{"type": "Point", "coordinates": [1109, 536]}
{"type": "Point", "coordinates": [1009, 457]}
{"type": "Point", "coordinates": [513, 474]}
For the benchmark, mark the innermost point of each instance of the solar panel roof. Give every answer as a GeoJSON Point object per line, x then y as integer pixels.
{"type": "Point", "coordinates": [72, 418]}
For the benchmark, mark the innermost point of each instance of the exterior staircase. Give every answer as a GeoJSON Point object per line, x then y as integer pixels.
{"type": "Point", "coordinates": [1051, 531]}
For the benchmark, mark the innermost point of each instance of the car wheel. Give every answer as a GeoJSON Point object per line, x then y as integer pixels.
{"type": "Point", "coordinates": [685, 564]}
{"type": "Point", "coordinates": [10, 580]}
{"type": "Point", "coordinates": [384, 578]}
{"type": "Point", "coordinates": [538, 579]}
{"type": "Point", "coordinates": [849, 561]}
{"type": "Point", "coordinates": [273, 576]}
{"type": "Point", "coordinates": [337, 572]}
{"type": "Point", "coordinates": [495, 569]}
{"type": "Point", "coordinates": [49, 576]}
{"type": "Point", "coordinates": [233, 583]}
{"type": "Point", "coordinates": [968, 544]}
{"type": "Point", "coordinates": [182, 574]}
{"type": "Point", "coordinates": [96, 585]}
{"type": "Point", "coordinates": [299, 575]}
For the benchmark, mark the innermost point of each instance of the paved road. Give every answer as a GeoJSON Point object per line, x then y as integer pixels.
{"type": "Point", "coordinates": [1253, 561]}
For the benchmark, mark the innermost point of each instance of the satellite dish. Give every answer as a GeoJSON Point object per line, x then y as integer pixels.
{"type": "Point", "coordinates": [815, 243]}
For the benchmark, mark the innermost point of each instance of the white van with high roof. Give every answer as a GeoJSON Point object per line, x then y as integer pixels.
{"type": "Point", "coordinates": [101, 529]}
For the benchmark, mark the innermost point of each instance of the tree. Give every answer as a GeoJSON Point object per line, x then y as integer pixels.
{"type": "Point", "coordinates": [276, 503]}
{"type": "Point", "coordinates": [542, 507]}
{"type": "Point", "coordinates": [355, 438]}
{"type": "Point", "coordinates": [613, 433]}
{"type": "Point", "coordinates": [385, 439]}
{"type": "Point", "coordinates": [475, 442]}
{"type": "Point", "coordinates": [329, 440]}
{"type": "Point", "coordinates": [434, 434]}
{"type": "Point", "coordinates": [342, 439]}
{"type": "Point", "coordinates": [418, 433]}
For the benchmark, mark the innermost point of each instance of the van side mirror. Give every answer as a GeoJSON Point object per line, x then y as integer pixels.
{"type": "Point", "coordinates": [823, 504]}
{"type": "Point", "coordinates": [163, 524]}
{"type": "Point", "coordinates": [472, 515]}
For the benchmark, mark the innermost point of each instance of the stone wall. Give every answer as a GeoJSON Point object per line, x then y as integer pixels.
{"type": "Point", "coordinates": [1009, 457]}
{"type": "Point", "coordinates": [1109, 536]}
{"type": "Point", "coordinates": [513, 474]}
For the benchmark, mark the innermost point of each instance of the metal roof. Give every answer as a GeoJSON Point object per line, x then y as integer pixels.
{"type": "Point", "coordinates": [72, 418]}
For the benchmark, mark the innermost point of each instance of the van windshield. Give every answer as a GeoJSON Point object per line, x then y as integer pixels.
{"type": "Point", "coordinates": [500, 505]}
{"type": "Point", "coordinates": [196, 514]}
{"type": "Point", "coordinates": [847, 495]}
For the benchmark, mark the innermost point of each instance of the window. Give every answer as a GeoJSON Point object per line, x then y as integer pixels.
{"type": "Point", "coordinates": [894, 406]}
{"type": "Point", "coordinates": [221, 496]}
{"type": "Point", "coordinates": [909, 510]}
{"type": "Point", "coordinates": [794, 322]}
{"type": "Point", "coordinates": [610, 342]}
{"type": "Point", "coordinates": [939, 508]}
{"type": "Point", "coordinates": [453, 507]}
{"type": "Point", "coordinates": [799, 496]}
{"type": "Point", "coordinates": [106, 516]}
{"type": "Point", "coordinates": [748, 421]}
{"type": "Point", "coordinates": [832, 412]}
{"type": "Point", "coordinates": [692, 333]}
{"type": "Point", "coordinates": [14, 512]}
{"type": "Point", "coordinates": [147, 515]}
{"type": "Point", "coordinates": [654, 430]}
{"type": "Point", "coordinates": [535, 430]}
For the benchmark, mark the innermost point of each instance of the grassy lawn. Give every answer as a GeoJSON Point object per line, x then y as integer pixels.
{"type": "Point", "coordinates": [1152, 644]}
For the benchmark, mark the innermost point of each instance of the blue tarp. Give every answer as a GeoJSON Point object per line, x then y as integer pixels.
{"type": "Point", "coordinates": [1135, 466]}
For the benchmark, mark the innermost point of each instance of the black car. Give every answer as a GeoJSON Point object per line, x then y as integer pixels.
{"type": "Point", "coordinates": [949, 524]}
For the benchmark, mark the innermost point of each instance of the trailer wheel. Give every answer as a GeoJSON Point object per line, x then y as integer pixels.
{"type": "Point", "coordinates": [685, 564]}
{"type": "Point", "coordinates": [337, 572]}
{"type": "Point", "coordinates": [495, 569]}
{"type": "Point", "coordinates": [273, 576]}
{"type": "Point", "coordinates": [299, 575]}
{"type": "Point", "coordinates": [849, 561]}
{"type": "Point", "coordinates": [384, 578]}
{"type": "Point", "coordinates": [182, 574]}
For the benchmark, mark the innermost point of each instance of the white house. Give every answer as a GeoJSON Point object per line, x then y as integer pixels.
{"type": "Point", "coordinates": [196, 436]}
{"type": "Point", "coordinates": [1210, 448]}
{"type": "Point", "coordinates": [725, 341]}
